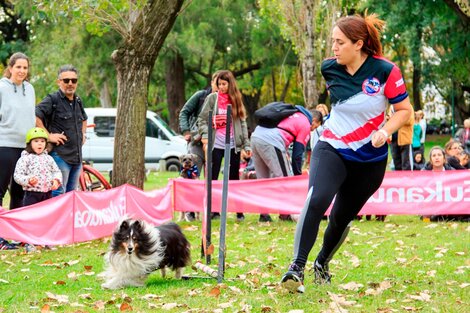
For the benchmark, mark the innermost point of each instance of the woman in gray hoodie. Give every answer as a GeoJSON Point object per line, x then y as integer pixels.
{"type": "Point", "coordinates": [17, 103]}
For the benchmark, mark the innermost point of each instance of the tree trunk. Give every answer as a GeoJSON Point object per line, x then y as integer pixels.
{"type": "Point", "coordinates": [251, 105]}
{"type": "Point", "coordinates": [417, 87]}
{"type": "Point", "coordinates": [105, 96]}
{"type": "Point", "coordinates": [308, 60]}
{"type": "Point", "coordinates": [175, 88]}
{"type": "Point", "coordinates": [134, 61]}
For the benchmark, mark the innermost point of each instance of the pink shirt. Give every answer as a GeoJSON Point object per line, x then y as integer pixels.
{"type": "Point", "coordinates": [298, 125]}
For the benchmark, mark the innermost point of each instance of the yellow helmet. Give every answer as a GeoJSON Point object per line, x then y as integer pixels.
{"type": "Point", "coordinates": [36, 132]}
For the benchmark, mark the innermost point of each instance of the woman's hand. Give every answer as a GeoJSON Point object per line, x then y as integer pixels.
{"type": "Point", "coordinates": [379, 138]}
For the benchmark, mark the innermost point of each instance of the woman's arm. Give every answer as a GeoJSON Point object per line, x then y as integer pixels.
{"type": "Point", "coordinates": [401, 116]}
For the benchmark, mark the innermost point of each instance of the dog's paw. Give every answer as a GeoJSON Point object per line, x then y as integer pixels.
{"type": "Point", "coordinates": [109, 285]}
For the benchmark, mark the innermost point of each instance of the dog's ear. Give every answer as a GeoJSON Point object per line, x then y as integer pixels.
{"type": "Point", "coordinates": [138, 225]}
{"type": "Point", "coordinates": [182, 157]}
{"type": "Point", "coordinates": [124, 225]}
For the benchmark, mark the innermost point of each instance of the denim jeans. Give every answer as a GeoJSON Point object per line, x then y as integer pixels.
{"type": "Point", "coordinates": [70, 175]}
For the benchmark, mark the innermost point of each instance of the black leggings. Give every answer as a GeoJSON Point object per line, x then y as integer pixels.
{"type": "Point", "coordinates": [217, 156]}
{"type": "Point", "coordinates": [353, 183]}
{"type": "Point", "coordinates": [8, 159]}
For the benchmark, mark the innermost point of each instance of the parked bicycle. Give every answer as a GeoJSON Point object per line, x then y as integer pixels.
{"type": "Point", "coordinates": [92, 180]}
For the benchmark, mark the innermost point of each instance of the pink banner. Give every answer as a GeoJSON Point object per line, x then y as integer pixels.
{"type": "Point", "coordinates": [404, 192]}
{"type": "Point", "coordinates": [83, 216]}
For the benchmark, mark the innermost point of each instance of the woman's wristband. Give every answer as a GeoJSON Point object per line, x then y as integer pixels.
{"type": "Point", "coordinates": [384, 132]}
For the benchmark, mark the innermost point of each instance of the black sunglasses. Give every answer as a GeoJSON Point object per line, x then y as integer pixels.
{"type": "Point", "coordinates": [67, 80]}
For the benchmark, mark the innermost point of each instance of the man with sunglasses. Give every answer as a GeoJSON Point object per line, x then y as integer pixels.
{"type": "Point", "coordinates": [62, 114]}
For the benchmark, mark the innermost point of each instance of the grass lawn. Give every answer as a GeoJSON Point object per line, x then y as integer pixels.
{"type": "Point", "coordinates": [397, 266]}
{"type": "Point", "coordinates": [402, 265]}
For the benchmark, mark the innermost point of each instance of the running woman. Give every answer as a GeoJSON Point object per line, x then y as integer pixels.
{"type": "Point", "coordinates": [350, 159]}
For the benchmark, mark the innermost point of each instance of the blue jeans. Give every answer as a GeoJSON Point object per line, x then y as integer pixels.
{"type": "Point", "coordinates": [70, 175]}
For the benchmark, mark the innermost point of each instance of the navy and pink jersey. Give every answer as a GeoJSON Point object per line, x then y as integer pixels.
{"type": "Point", "coordinates": [358, 105]}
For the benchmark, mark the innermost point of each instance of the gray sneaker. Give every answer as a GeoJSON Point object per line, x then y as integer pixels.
{"type": "Point", "coordinates": [29, 248]}
{"type": "Point", "coordinates": [189, 217]}
{"type": "Point", "coordinates": [293, 279]}
{"type": "Point", "coordinates": [322, 273]}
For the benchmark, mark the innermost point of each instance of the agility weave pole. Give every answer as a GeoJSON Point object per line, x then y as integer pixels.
{"type": "Point", "coordinates": [206, 247]}
{"type": "Point", "coordinates": [223, 213]}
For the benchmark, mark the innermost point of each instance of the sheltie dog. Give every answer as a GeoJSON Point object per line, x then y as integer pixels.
{"type": "Point", "coordinates": [137, 249]}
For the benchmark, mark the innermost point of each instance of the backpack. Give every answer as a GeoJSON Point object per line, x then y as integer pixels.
{"type": "Point", "coordinates": [273, 113]}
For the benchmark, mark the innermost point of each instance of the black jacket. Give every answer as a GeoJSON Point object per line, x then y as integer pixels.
{"type": "Point", "coordinates": [59, 115]}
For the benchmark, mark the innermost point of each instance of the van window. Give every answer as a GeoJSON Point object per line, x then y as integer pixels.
{"type": "Point", "coordinates": [152, 130]}
{"type": "Point", "coordinates": [104, 126]}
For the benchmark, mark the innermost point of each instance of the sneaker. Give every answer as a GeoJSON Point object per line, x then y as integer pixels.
{"type": "Point", "coordinates": [322, 273]}
{"type": "Point", "coordinates": [240, 217]}
{"type": "Point", "coordinates": [29, 248]}
{"type": "Point", "coordinates": [293, 280]}
{"type": "Point", "coordinates": [5, 245]}
{"type": "Point", "coordinates": [215, 216]}
{"type": "Point", "coordinates": [265, 218]}
{"type": "Point", "coordinates": [189, 217]}
{"type": "Point", "coordinates": [285, 217]}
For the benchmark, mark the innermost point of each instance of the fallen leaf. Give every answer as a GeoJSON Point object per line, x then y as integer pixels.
{"type": "Point", "coordinates": [215, 292]}
{"type": "Point", "coordinates": [464, 285]}
{"type": "Point", "coordinates": [351, 286]}
{"type": "Point", "coordinates": [421, 297]}
{"type": "Point", "coordinates": [99, 305]}
{"type": "Point", "coordinates": [266, 309]}
{"type": "Point", "coordinates": [125, 307]}
{"type": "Point", "coordinates": [59, 282]}
{"type": "Point", "coordinates": [45, 308]}
{"type": "Point", "coordinates": [169, 306]}
{"type": "Point", "coordinates": [225, 305]}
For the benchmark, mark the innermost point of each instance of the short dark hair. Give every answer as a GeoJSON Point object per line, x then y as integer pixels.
{"type": "Point", "coordinates": [67, 68]}
{"type": "Point", "coordinates": [317, 115]}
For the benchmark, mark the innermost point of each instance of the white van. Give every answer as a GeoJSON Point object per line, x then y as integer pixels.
{"type": "Point", "coordinates": [161, 142]}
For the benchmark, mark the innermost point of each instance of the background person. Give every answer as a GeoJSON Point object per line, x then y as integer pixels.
{"type": "Point", "coordinates": [350, 159]}
{"type": "Point", "coordinates": [400, 146]}
{"type": "Point", "coordinates": [423, 124]}
{"type": "Point", "coordinates": [452, 150]}
{"type": "Point", "coordinates": [270, 147]}
{"type": "Point", "coordinates": [17, 100]}
{"type": "Point", "coordinates": [417, 135]}
{"type": "Point", "coordinates": [188, 126]}
{"type": "Point", "coordinates": [464, 137]}
{"type": "Point", "coordinates": [228, 93]}
{"type": "Point", "coordinates": [64, 117]}
{"type": "Point", "coordinates": [36, 170]}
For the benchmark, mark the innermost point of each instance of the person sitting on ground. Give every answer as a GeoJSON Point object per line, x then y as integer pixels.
{"type": "Point", "coordinates": [452, 150]}
{"type": "Point", "coordinates": [270, 147]}
{"type": "Point", "coordinates": [464, 159]}
{"type": "Point", "coordinates": [419, 161]}
{"type": "Point", "coordinates": [437, 161]}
